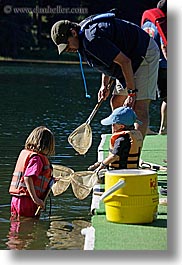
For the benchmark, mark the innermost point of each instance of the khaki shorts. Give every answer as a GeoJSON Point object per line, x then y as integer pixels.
{"type": "Point", "coordinates": [146, 76]}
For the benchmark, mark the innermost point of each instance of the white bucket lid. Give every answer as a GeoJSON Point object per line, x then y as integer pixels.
{"type": "Point", "coordinates": [141, 172]}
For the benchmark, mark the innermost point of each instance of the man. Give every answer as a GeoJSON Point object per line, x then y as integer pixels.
{"type": "Point", "coordinates": [154, 22]}
{"type": "Point", "coordinates": [119, 49]}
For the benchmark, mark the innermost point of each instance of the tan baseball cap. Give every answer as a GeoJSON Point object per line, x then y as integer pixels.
{"type": "Point", "coordinates": [59, 34]}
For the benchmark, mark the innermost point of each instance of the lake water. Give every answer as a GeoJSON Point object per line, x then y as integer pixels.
{"type": "Point", "coordinates": [52, 95]}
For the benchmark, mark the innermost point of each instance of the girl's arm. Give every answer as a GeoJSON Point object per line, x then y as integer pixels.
{"type": "Point", "coordinates": [31, 190]}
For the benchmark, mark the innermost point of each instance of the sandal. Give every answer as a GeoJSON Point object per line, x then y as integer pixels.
{"type": "Point", "coordinates": [163, 191]}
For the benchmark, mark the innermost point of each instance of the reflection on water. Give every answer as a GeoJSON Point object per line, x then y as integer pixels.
{"type": "Point", "coordinates": [64, 235]}
{"type": "Point", "coordinates": [50, 95]}
{"type": "Point", "coordinates": [33, 234]}
{"type": "Point", "coordinates": [24, 234]}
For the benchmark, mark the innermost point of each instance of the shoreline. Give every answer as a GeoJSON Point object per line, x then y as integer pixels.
{"type": "Point", "coordinates": [39, 61]}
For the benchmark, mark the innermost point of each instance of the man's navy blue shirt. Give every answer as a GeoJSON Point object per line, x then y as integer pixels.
{"type": "Point", "coordinates": [101, 42]}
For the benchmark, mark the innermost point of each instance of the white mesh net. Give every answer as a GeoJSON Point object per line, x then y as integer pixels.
{"type": "Point", "coordinates": [81, 138]}
{"type": "Point", "coordinates": [63, 177]}
{"type": "Point", "coordinates": [82, 182]}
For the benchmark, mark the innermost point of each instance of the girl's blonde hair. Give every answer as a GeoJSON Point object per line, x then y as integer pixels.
{"type": "Point", "coordinates": [41, 140]}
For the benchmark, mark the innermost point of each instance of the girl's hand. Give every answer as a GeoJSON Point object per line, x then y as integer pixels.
{"type": "Point", "coordinates": [39, 202]}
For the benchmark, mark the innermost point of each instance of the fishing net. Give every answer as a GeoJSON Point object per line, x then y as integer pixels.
{"type": "Point", "coordinates": [81, 138]}
{"type": "Point", "coordinates": [62, 175]}
{"type": "Point", "coordinates": [82, 182]}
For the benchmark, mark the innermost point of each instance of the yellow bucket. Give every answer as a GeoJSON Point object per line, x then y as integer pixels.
{"type": "Point", "coordinates": [136, 201]}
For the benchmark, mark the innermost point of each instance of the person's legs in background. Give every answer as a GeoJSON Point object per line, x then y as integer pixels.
{"type": "Point", "coordinates": [163, 126]}
{"type": "Point", "coordinates": [162, 93]}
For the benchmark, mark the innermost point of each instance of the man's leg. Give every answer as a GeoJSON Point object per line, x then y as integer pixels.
{"type": "Point", "coordinates": [117, 101]}
{"type": "Point", "coordinates": [142, 111]}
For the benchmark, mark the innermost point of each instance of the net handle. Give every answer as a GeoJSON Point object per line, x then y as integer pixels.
{"type": "Point", "coordinates": [94, 111]}
{"type": "Point", "coordinates": [97, 106]}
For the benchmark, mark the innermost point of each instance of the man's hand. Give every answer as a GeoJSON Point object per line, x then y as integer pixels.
{"type": "Point", "coordinates": [129, 102]}
{"type": "Point", "coordinates": [103, 93]}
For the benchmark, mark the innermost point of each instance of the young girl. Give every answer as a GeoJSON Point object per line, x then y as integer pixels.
{"type": "Point", "coordinates": [32, 173]}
